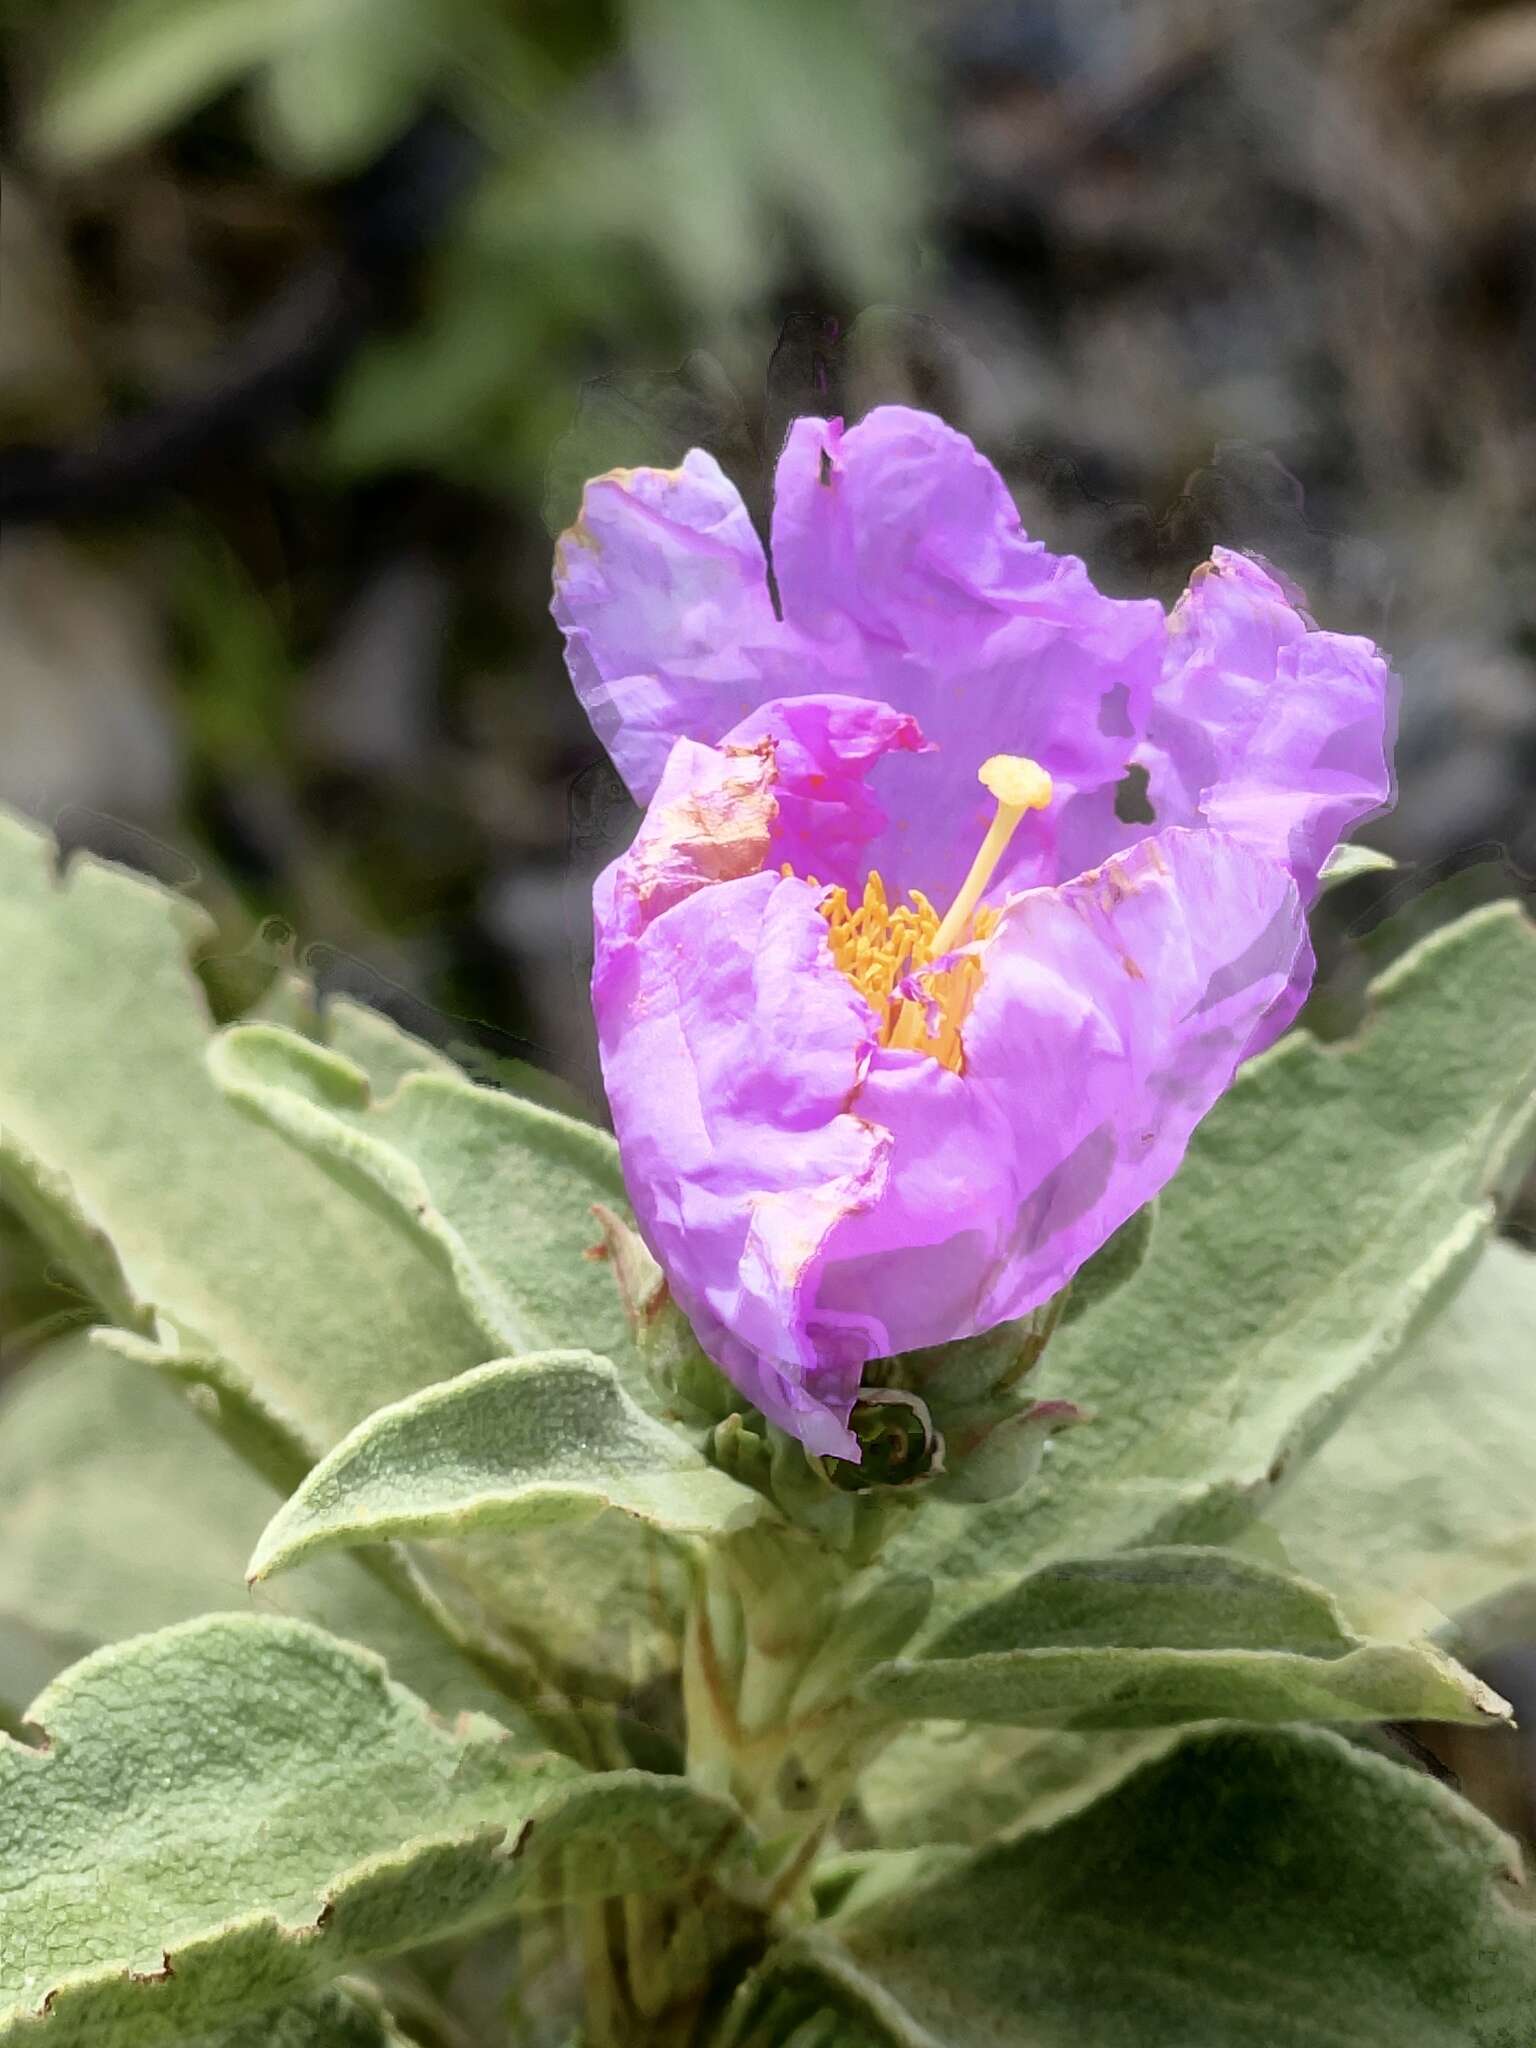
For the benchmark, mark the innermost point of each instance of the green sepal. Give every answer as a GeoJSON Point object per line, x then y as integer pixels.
{"type": "Point", "coordinates": [997, 1455]}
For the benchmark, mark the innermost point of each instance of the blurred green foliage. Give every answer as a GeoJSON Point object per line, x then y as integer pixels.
{"type": "Point", "coordinates": [738, 142]}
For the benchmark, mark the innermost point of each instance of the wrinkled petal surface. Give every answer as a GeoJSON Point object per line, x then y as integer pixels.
{"type": "Point", "coordinates": [900, 559]}
{"type": "Point", "coordinates": [829, 821]}
{"type": "Point", "coordinates": [818, 1200]}
{"type": "Point", "coordinates": [661, 591]}
{"type": "Point", "coordinates": [730, 1052]}
{"type": "Point", "coordinates": [1264, 727]}
{"type": "Point", "coordinates": [904, 576]}
{"type": "Point", "coordinates": [1112, 1014]}
{"type": "Point", "coordinates": [732, 1047]}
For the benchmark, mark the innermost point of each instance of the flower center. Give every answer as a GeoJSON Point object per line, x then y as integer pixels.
{"type": "Point", "coordinates": [878, 944]}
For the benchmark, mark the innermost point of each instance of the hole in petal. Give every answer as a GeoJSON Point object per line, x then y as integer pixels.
{"type": "Point", "coordinates": [1115, 713]}
{"type": "Point", "coordinates": [1132, 804]}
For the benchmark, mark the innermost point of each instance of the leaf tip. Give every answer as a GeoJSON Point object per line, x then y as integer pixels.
{"type": "Point", "coordinates": [266, 1558]}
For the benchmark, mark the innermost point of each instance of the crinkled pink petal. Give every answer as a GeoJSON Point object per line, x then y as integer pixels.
{"type": "Point", "coordinates": [830, 822]}
{"type": "Point", "coordinates": [661, 591]}
{"type": "Point", "coordinates": [1264, 727]}
{"type": "Point", "coordinates": [1113, 1015]}
{"type": "Point", "coordinates": [899, 557]}
{"type": "Point", "coordinates": [817, 1200]}
{"type": "Point", "coordinates": [1113, 1012]}
{"type": "Point", "coordinates": [904, 576]}
{"type": "Point", "coordinates": [731, 1047]}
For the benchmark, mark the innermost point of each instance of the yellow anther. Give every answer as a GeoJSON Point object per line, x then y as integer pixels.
{"type": "Point", "coordinates": [878, 944]}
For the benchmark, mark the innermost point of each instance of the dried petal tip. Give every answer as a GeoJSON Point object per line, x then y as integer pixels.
{"type": "Point", "coordinates": [642, 1285]}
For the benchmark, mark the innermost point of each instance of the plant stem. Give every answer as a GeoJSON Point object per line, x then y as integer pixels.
{"type": "Point", "coordinates": [603, 1997]}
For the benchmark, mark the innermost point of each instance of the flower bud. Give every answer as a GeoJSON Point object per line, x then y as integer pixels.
{"type": "Point", "coordinates": [956, 1378]}
{"type": "Point", "coordinates": [993, 1437]}
{"type": "Point", "coordinates": [897, 1437]}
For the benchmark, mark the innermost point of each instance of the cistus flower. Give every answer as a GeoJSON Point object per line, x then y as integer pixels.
{"type": "Point", "coordinates": [901, 1010]}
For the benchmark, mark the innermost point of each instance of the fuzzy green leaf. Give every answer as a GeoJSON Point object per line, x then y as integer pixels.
{"type": "Point", "coordinates": [1278, 1887]}
{"type": "Point", "coordinates": [228, 1813]}
{"type": "Point", "coordinates": [1427, 1494]}
{"type": "Point", "coordinates": [318, 1301]}
{"type": "Point", "coordinates": [288, 1306]}
{"type": "Point", "coordinates": [1327, 1206]}
{"type": "Point", "coordinates": [330, 2019]}
{"type": "Point", "coordinates": [950, 1781]}
{"type": "Point", "coordinates": [518, 1444]}
{"type": "Point", "coordinates": [121, 1512]}
{"type": "Point", "coordinates": [45, 1201]}
{"type": "Point", "coordinates": [1116, 1261]}
{"type": "Point", "coordinates": [1150, 1638]}
{"type": "Point", "coordinates": [293, 1297]}
{"type": "Point", "coordinates": [385, 1050]}
{"type": "Point", "coordinates": [498, 1190]}
{"type": "Point", "coordinates": [601, 1599]}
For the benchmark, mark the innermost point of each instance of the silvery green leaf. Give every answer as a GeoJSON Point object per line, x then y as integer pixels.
{"type": "Point", "coordinates": [1425, 1499]}
{"type": "Point", "coordinates": [121, 1512]}
{"type": "Point", "coordinates": [1348, 861]}
{"type": "Point", "coordinates": [1151, 1638]}
{"type": "Point", "coordinates": [329, 2019]}
{"type": "Point", "coordinates": [517, 1444]}
{"type": "Point", "coordinates": [242, 1248]}
{"type": "Point", "coordinates": [227, 1814]}
{"type": "Point", "coordinates": [971, 1782]}
{"type": "Point", "coordinates": [496, 1190]}
{"type": "Point", "coordinates": [1271, 1886]}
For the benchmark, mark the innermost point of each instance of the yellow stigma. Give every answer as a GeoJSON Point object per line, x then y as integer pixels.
{"type": "Point", "coordinates": [877, 943]}
{"type": "Point", "coordinates": [1018, 783]}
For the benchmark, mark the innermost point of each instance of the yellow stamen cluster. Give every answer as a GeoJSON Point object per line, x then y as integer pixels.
{"type": "Point", "coordinates": [873, 940]}
{"type": "Point", "coordinates": [879, 944]}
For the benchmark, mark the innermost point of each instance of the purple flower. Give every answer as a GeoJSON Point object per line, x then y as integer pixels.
{"type": "Point", "coordinates": [899, 1021]}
